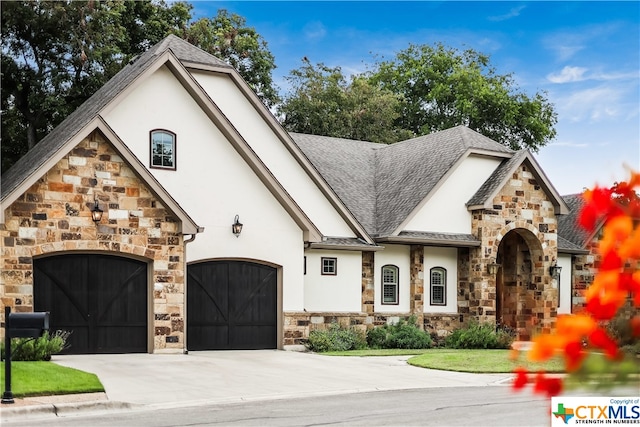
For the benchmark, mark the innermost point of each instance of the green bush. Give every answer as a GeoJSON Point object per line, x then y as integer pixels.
{"type": "Point", "coordinates": [336, 338]}
{"type": "Point", "coordinates": [479, 336]}
{"type": "Point", "coordinates": [405, 334]}
{"type": "Point", "coordinates": [38, 349]}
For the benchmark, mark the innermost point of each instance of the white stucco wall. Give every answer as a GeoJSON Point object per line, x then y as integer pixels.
{"type": "Point", "coordinates": [397, 255]}
{"type": "Point", "coordinates": [445, 211]}
{"type": "Point", "coordinates": [446, 258]}
{"type": "Point", "coordinates": [274, 154]}
{"type": "Point", "coordinates": [212, 182]}
{"type": "Point", "coordinates": [339, 293]}
{"type": "Point", "coordinates": [564, 261]}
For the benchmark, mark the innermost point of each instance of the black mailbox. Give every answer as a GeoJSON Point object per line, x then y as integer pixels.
{"type": "Point", "coordinates": [24, 325]}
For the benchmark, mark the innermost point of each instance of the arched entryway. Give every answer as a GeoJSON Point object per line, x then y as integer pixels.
{"type": "Point", "coordinates": [519, 284]}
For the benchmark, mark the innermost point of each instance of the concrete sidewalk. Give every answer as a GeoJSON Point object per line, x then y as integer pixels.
{"type": "Point", "coordinates": [213, 377]}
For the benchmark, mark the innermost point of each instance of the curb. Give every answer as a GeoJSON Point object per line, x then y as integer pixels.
{"type": "Point", "coordinates": [63, 409]}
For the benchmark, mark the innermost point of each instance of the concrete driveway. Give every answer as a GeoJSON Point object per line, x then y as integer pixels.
{"type": "Point", "coordinates": [231, 376]}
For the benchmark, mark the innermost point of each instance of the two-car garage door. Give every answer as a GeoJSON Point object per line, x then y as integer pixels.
{"type": "Point", "coordinates": [104, 301]}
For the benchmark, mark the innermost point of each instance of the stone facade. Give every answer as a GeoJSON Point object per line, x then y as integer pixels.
{"type": "Point", "coordinates": [54, 217]}
{"type": "Point", "coordinates": [521, 213]}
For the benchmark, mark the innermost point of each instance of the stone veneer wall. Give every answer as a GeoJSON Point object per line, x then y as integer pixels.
{"type": "Point", "coordinates": [53, 217]}
{"type": "Point", "coordinates": [520, 206]}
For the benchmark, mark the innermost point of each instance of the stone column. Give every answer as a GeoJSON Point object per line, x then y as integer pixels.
{"type": "Point", "coordinates": [416, 284]}
{"type": "Point", "coordinates": [368, 287]}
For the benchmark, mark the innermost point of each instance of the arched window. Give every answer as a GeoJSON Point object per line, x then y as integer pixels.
{"type": "Point", "coordinates": [163, 149]}
{"type": "Point", "coordinates": [390, 284]}
{"type": "Point", "coordinates": [438, 280]}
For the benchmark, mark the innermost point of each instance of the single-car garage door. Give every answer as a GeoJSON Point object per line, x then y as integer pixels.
{"type": "Point", "coordinates": [102, 299]}
{"type": "Point", "coordinates": [231, 305]}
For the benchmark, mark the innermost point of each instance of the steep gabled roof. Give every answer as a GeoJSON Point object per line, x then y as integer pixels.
{"type": "Point", "coordinates": [348, 166]}
{"type": "Point", "coordinates": [43, 156]}
{"type": "Point", "coordinates": [489, 189]}
{"type": "Point", "coordinates": [382, 184]}
{"type": "Point", "coordinates": [69, 127]}
{"type": "Point", "coordinates": [568, 227]}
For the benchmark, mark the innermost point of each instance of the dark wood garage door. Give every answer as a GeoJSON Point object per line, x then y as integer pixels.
{"type": "Point", "coordinates": [102, 299]}
{"type": "Point", "coordinates": [231, 305]}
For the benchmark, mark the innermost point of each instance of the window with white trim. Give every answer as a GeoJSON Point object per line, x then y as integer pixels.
{"type": "Point", "coordinates": [329, 266]}
{"type": "Point", "coordinates": [438, 281]}
{"type": "Point", "coordinates": [163, 149]}
{"type": "Point", "coordinates": [390, 285]}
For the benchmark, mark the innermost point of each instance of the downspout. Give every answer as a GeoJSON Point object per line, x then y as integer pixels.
{"type": "Point", "coordinates": [184, 303]}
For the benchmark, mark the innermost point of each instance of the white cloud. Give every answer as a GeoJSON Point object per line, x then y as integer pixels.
{"type": "Point", "coordinates": [568, 74]}
{"type": "Point", "coordinates": [511, 14]}
{"type": "Point", "coordinates": [315, 31]}
{"type": "Point", "coordinates": [569, 144]}
{"type": "Point", "coordinates": [593, 104]}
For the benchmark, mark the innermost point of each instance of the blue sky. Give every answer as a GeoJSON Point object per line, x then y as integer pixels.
{"type": "Point", "coordinates": [584, 55]}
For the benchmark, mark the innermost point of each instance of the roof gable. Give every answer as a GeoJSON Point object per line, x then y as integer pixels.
{"type": "Point", "coordinates": [483, 198]}
{"type": "Point", "coordinates": [76, 125]}
{"type": "Point", "coordinates": [383, 184]}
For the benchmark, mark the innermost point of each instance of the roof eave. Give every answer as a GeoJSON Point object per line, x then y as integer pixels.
{"type": "Point", "coordinates": [429, 241]}
{"type": "Point", "coordinates": [362, 248]}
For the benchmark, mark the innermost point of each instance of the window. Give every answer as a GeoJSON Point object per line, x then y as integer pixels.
{"type": "Point", "coordinates": [438, 286]}
{"type": "Point", "coordinates": [163, 149]}
{"type": "Point", "coordinates": [389, 284]}
{"type": "Point", "coordinates": [329, 266]}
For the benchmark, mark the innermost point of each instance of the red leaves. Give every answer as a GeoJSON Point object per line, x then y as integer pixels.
{"type": "Point", "coordinates": [521, 378]}
{"type": "Point", "coordinates": [618, 276]}
{"type": "Point", "coordinates": [599, 338]}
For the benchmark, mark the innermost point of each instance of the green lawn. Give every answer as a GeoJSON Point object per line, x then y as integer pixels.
{"type": "Point", "coordinates": [474, 361]}
{"type": "Point", "coordinates": [47, 378]}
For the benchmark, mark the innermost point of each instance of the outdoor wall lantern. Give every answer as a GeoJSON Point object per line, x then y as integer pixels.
{"type": "Point", "coordinates": [236, 227]}
{"type": "Point", "coordinates": [96, 212]}
{"type": "Point", "coordinates": [555, 270]}
{"type": "Point", "coordinates": [492, 267]}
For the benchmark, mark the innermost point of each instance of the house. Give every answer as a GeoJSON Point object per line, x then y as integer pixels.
{"type": "Point", "coordinates": [220, 230]}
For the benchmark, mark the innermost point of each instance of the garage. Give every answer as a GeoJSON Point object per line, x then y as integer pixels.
{"type": "Point", "coordinates": [102, 299]}
{"type": "Point", "coordinates": [231, 305]}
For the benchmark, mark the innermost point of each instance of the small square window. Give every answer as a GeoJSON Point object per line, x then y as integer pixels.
{"type": "Point", "coordinates": [329, 266]}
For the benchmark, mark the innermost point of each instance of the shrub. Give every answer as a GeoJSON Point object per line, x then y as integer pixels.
{"type": "Point", "coordinates": [404, 334]}
{"type": "Point", "coordinates": [38, 349]}
{"type": "Point", "coordinates": [336, 338]}
{"type": "Point", "coordinates": [479, 336]}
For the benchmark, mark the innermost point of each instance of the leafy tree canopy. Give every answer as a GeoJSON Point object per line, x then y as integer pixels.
{"type": "Point", "coordinates": [323, 102]}
{"type": "Point", "coordinates": [443, 87]}
{"type": "Point", "coordinates": [55, 54]}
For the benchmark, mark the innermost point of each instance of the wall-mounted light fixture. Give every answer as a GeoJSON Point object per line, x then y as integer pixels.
{"type": "Point", "coordinates": [555, 270]}
{"type": "Point", "coordinates": [236, 227]}
{"type": "Point", "coordinates": [96, 212]}
{"type": "Point", "coordinates": [492, 267]}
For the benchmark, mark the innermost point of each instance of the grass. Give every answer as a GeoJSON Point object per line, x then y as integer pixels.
{"type": "Point", "coordinates": [481, 361]}
{"type": "Point", "coordinates": [47, 378]}
{"type": "Point", "coordinates": [376, 352]}
{"type": "Point", "coordinates": [474, 361]}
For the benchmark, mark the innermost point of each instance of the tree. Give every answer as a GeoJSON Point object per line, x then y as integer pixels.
{"type": "Point", "coordinates": [227, 37]}
{"type": "Point", "coordinates": [441, 87]}
{"type": "Point", "coordinates": [323, 102]}
{"type": "Point", "coordinates": [56, 54]}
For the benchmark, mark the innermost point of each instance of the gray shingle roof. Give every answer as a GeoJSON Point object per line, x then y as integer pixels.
{"type": "Point", "coordinates": [382, 184]}
{"type": "Point", "coordinates": [568, 227]}
{"type": "Point", "coordinates": [66, 130]}
{"type": "Point", "coordinates": [496, 179]}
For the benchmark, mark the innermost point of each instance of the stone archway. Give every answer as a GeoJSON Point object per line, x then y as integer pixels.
{"type": "Point", "coordinates": [519, 293]}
